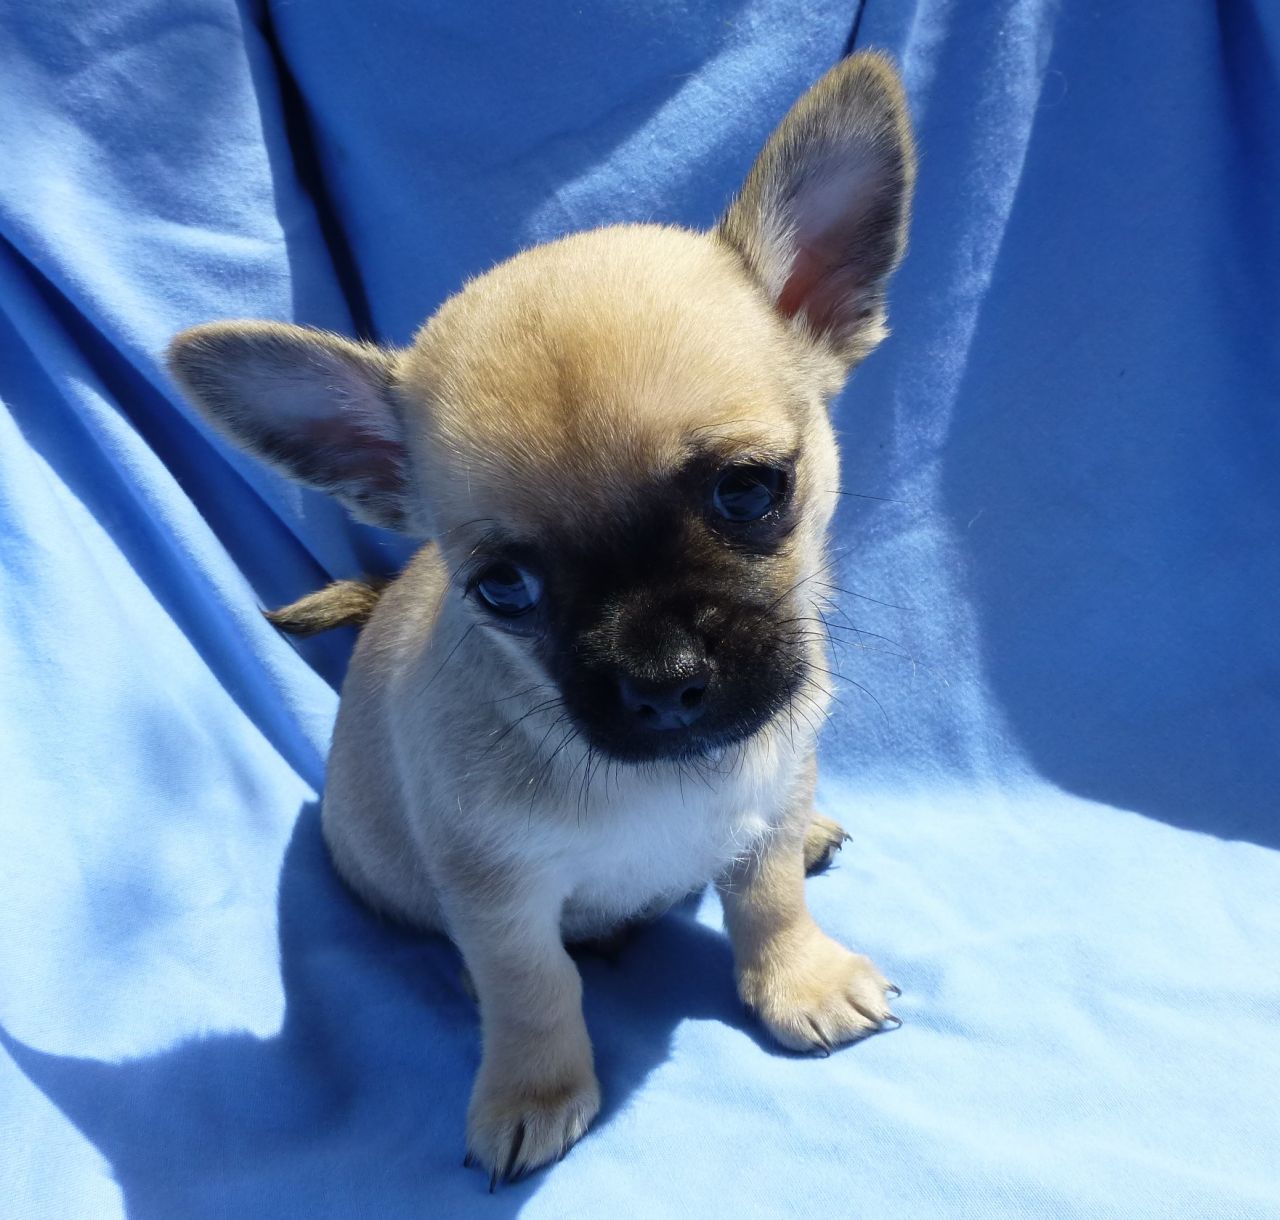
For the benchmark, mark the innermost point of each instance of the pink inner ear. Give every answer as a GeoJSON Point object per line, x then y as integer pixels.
{"type": "Point", "coordinates": [356, 455]}
{"type": "Point", "coordinates": [830, 220]}
{"type": "Point", "coordinates": [819, 289]}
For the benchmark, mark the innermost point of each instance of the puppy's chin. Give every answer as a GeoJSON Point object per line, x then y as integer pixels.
{"type": "Point", "coordinates": [672, 745]}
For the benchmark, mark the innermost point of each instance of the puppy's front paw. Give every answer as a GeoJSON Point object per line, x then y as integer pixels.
{"type": "Point", "coordinates": [818, 995]}
{"type": "Point", "coordinates": [520, 1122]}
{"type": "Point", "coordinates": [821, 842]}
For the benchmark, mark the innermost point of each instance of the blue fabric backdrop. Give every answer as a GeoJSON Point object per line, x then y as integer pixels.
{"type": "Point", "coordinates": [1064, 800]}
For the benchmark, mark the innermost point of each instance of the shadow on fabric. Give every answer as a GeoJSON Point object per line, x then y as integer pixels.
{"type": "Point", "coordinates": [362, 1093]}
{"type": "Point", "coordinates": [1110, 471]}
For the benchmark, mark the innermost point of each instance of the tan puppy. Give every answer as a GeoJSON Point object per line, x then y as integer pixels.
{"type": "Point", "coordinates": [596, 690]}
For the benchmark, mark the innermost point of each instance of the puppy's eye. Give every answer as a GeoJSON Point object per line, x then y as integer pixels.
{"type": "Point", "coordinates": [507, 590]}
{"type": "Point", "coordinates": [747, 493]}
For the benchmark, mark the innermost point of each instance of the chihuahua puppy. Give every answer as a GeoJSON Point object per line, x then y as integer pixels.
{"type": "Point", "coordinates": [596, 690]}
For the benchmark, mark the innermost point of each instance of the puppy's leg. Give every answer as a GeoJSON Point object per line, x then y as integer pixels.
{"type": "Point", "coordinates": [821, 842]}
{"type": "Point", "coordinates": [811, 993]}
{"type": "Point", "coordinates": [536, 1091]}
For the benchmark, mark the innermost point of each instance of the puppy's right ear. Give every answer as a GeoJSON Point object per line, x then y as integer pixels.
{"type": "Point", "coordinates": [316, 406]}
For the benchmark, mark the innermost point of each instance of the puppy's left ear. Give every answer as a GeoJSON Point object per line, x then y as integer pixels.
{"type": "Point", "coordinates": [821, 220]}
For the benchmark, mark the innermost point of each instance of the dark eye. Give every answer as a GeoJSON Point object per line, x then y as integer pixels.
{"type": "Point", "coordinates": [507, 590]}
{"type": "Point", "coordinates": [747, 493]}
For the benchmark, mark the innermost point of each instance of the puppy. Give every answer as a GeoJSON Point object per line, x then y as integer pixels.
{"type": "Point", "coordinates": [596, 690]}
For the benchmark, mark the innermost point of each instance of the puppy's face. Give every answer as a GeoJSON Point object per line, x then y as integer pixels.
{"type": "Point", "coordinates": [620, 439]}
{"type": "Point", "coordinates": [628, 463]}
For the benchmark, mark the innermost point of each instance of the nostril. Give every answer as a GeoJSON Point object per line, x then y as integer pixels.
{"type": "Point", "coordinates": [692, 694]}
{"type": "Point", "coordinates": [664, 705]}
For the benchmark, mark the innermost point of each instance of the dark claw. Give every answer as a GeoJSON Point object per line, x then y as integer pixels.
{"type": "Point", "coordinates": [493, 1181]}
{"type": "Point", "coordinates": [515, 1154]}
{"type": "Point", "coordinates": [507, 1174]}
{"type": "Point", "coordinates": [897, 1021]}
{"type": "Point", "coordinates": [845, 838]}
{"type": "Point", "coordinates": [894, 990]}
{"type": "Point", "coordinates": [468, 1161]}
{"type": "Point", "coordinates": [823, 1045]}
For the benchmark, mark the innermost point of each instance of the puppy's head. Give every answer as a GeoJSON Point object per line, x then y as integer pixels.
{"type": "Point", "coordinates": [619, 439]}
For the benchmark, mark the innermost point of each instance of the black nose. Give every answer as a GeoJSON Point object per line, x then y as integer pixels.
{"type": "Point", "coordinates": [670, 703]}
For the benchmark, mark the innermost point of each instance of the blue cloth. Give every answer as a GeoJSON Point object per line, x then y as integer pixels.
{"type": "Point", "coordinates": [1062, 786]}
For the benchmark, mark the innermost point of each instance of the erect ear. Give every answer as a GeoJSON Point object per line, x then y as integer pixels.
{"type": "Point", "coordinates": [821, 220]}
{"type": "Point", "coordinates": [315, 405]}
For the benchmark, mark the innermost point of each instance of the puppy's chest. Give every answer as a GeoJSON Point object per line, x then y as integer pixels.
{"type": "Point", "coordinates": [648, 847]}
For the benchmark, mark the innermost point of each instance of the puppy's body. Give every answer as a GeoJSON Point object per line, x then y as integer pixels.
{"type": "Point", "coordinates": [478, 741]}
{"type": "Point", "coordinates": [598, 687]}
{"type": "Point", "coordinates": [493, 782]}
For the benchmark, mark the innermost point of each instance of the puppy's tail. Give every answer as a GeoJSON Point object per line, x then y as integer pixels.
{"type": "Point", "coordinates": [345, 603]}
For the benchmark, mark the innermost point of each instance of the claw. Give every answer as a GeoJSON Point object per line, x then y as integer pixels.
{"type": "Point", "coordinates": [897, 1021]}
{"type": "Point", "coordinates": [894, 989]}
{"type": "Point", "coordinates": [514, 1156]}
{"type": "Point", "coordinates": [468, 1161]}
{"type": "Point", "coordinates": [493, 1181]}
{"type": "Point", "coordinates": [823, 1045]}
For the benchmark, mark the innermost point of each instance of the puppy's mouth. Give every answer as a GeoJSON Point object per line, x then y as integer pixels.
{"type": "Point", "coordinates": [667, 746]}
